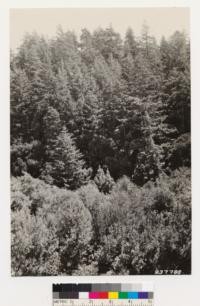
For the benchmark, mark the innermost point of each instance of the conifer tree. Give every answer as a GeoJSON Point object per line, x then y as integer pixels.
{"type": "Point", "coordinates": [65, 166]}
{"type": "Point", "coordinates": [20, 98]}
{"type": "Point", "coordinates": [103, 180]}
{"type": "Point", "coordinates": [130, 43]}
{"type": "Point", "coordinates": [108, 42]}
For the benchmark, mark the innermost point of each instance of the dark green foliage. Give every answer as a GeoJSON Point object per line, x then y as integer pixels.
{"type": "Point", "coordinates": [100, 100]}
{"type": "Point", "coordinates": [130, 43]}
{"type": "Point", "coordinates": [107, 42]}
{"type": "Point", "coordinates": [176, 99]}
{"type": "Point", "coordinates": [25, 157]}
{"type": "Point", "coordinates": [64, 166]}
{"type": "Point", "coordinates": [113, 96]}
{"type": "Point", "coordinates": [179, 154]}
{"type": "Point", "coordinates": [103, 180]}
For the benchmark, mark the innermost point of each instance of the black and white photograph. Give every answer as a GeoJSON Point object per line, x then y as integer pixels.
{"type": "Point", "coordinates": [100, 142]}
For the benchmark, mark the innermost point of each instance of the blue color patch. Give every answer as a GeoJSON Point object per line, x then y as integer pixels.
{"type": "Point", "coordinates": [132, 295]}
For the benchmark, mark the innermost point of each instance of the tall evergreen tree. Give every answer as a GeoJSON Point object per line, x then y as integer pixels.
{"type": "Point", "coordinates": [130, 43]}
{"type": "Point", "coordinates": [103, 180]}
{"type": "Point", "coordinates": [103, 91]}
{"type": "Point", "coordinates": [65, 166]}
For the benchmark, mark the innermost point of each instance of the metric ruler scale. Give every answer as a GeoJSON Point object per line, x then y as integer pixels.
{"type": "Point", "coordinates": [140, 294]}
{"type": "Point", "coordinates": [81, 302]}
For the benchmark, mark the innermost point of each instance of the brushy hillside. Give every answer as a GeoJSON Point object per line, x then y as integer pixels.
{"type": "Point", "coordinates": [100, 154]}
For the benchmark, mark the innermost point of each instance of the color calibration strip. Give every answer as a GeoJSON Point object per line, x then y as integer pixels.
{"type": "Point", "coordinates": [103, 291]}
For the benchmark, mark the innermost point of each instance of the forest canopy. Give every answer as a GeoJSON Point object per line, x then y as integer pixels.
{"type": "Point", "coordinates": [100, 153]}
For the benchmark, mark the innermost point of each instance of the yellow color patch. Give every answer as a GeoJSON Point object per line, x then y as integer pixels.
{"type": "Point", "coordinates": [113, 295]}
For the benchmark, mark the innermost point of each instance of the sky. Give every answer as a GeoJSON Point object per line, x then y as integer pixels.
{"type": "Point", "coordinates": [161, 21]}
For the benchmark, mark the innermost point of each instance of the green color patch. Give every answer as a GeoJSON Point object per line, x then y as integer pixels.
{"type": "Point", "coordinates": [123, 295]}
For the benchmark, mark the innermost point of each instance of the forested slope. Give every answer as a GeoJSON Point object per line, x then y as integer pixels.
{"type": "Point", "coordinates": [100, 154]}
